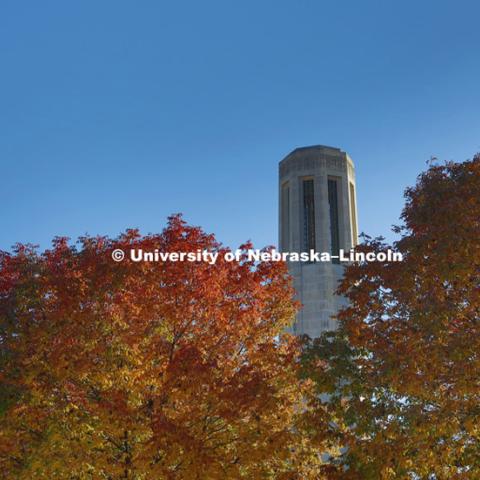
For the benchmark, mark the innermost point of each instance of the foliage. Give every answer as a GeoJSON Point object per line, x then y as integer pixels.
{"type": "Point", "coordinates": [400, 378]}
{"type": "Point", "coordinates": [148, 370]}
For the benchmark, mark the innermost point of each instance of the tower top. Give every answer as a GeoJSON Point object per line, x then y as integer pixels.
{"type": "Point", "coordinates": [318, 149]}
{"type": "Point", "coordinates": [325, 148]}
{"type": "Point", "coordinates": [312, 157]}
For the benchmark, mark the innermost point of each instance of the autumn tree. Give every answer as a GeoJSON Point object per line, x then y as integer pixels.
{"type": "Point", "coordinates": [148, 370]}
{"type": "Point", "coordinates": [400, 379]}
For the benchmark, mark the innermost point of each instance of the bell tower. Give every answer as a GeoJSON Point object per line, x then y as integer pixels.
{"type": "Point", "coordinates": [317, 211]}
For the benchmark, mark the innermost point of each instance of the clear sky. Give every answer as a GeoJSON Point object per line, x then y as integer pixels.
{"type": "Point", "coordinates": [115, 114]}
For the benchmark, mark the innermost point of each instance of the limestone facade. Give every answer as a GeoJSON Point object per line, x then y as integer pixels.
{"type": "Point", "coordinates": [317, 209]}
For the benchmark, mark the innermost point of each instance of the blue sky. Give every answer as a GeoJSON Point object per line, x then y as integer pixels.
{"type": "Point", "coordinates": [115, 114]}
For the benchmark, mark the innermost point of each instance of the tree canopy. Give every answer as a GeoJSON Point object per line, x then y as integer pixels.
{"type": "Point", "coordinates": [400, 377]}
{"type": "Point", "coordinates": [141, 370]}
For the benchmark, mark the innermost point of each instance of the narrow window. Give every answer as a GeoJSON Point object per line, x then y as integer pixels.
{"type": "Point", "coordinates": [285, 217]}
{"type": "Point", "coordinates": [334, 227]}
{"type": "Point", "coordinates": [308, 216]}
{"type": "Point", "coordinates": [353, 214]}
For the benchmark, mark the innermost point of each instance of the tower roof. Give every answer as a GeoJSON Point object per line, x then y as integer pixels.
{"type": "Point", "coordinates": [305, 158]}
{"type": "Point", "coordinates": [316, 151]}
{"type": "Point", "coordinates": [323, 148]}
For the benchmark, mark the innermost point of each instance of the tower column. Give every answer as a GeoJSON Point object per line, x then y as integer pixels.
{"type": "Point", "coordinates": [317, 209]}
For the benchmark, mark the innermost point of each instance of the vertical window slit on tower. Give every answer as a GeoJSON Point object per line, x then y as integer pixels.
{"type": "Point", "coordinates": [308, 215]}
{"type": "Point", "coordinates": [334, 226]}
{"type": "Point", "coordinates": [353, 216]}
{"type": "Point", "coordinates": [285, 217]}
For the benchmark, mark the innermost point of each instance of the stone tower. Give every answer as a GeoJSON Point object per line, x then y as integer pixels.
{"type": "Point", "coordinates": [317, 210]}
